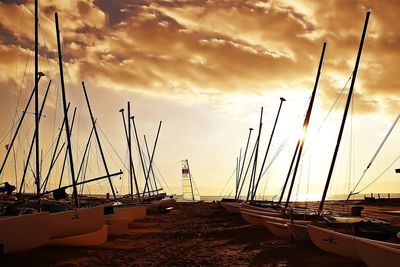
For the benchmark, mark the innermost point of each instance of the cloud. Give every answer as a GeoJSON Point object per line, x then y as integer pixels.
{"type": "Point", "coordinates": [218, 46]}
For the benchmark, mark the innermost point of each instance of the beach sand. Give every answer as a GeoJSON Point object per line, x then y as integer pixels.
{"type": "Point", "coordinates": [192, 234]}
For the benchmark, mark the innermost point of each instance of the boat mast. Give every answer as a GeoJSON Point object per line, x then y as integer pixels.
{"type": "Point", "coordinates": [151, 160]}
{"type": "Point", "coordinates": [37, 180]}
{"type": "Point", "coordinates": [131, 166]}
{"type": "Point", "coordinates": [305, 124]}
{"type": "Point", "coordinates": [66, 151]}
{"type": "Point", "coordinates": [151, 166]}
{"type": "Point", "coordinates": [33, 140]}
{"type": "Point", "coordinates": [190, 179]}
{"type": "Point", "coordinates": [253, 171]}
{"type": "Point", "coordinates": [266, 152]}
{"type": "Point", "coordinates": [346, 109]}
{"type": "Point", "coordinates": [98, 140]}
{"type": "Point", "coordinates": [138, 146]}
{"type": "Point", "coordinates": [244, 160]}
{"type": "Point", "coordinates": [64, 100]}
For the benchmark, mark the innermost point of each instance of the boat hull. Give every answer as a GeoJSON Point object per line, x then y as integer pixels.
{"type": "Point", "coordinates": [139, 213]}
{"type": "Point", "coordinates": [24, 232]}
{"type": "Point", "coordinates": [278, 229]}
{"type": "Point", "coordinates": [299, 232]}
{"type": "Point", "coordinates": [231, 206]}
{"type": "Point", "coordinates": [376, 253]}
{"type": "Point", "coordinates": [334, 242]}
{"type": "Point", "coordinates": [84, 240]}
{"type": "Point", "coordinates": [76, 222]}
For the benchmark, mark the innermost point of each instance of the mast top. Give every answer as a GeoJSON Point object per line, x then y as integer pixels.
{"type": "Point", "coordinates": [41, 74]}
{"type": "Point", "coordinates": [282, 99]}
{"type": "Point", "coordinates": [121, 110]}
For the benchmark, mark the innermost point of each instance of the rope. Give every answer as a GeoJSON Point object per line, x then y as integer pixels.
{"type": "Point", "coordinates": [233, 172]}
{"type": "Point", "coordinates": [374, 156]}
{"type": "Point", "coordinates": [380, 175]}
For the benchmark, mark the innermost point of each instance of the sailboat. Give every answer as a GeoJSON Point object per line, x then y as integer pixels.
{"type": "Point", "coordinates": [24, 232]}
{"type": "Point", "coordinates": [354, 236]}
{"type": "Point", "coordinates": [275, 216]}
{"type": "Point", "coordinates": [189, 188]}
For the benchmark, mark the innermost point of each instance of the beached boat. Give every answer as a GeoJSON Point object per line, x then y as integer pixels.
{"type": "Point", "coordinates": [377, 253]}
{"type": "Point", "coordinates": [75, 222]}
{"type": "Point", "coordinates": [252, 218]}
{"type": "Point", "coordinates": [231, 206]}
{"type": "Point", "coordinates": [94, 238]}
{"type": "Point", "coordinates": [278, 229]}
{"type": "Point", "coordinates": [299, 232]}
{"type": "Point", "coordinates": [334, 242]}
{"type": "Point", "coordinates": [279, 226]}
{"type": "Point", "coordinates": [118, 221]}
{"type": "Point", "coordinates": [139, 212]}
{"type": "Point", "coordinates": [24, 232]}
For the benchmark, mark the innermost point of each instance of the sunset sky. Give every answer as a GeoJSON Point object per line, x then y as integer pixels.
{"type": "Point", "coordinates": [205, 69]}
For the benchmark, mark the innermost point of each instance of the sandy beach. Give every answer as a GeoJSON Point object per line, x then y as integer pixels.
{"type": "Point", "coordinates": [192, 234]}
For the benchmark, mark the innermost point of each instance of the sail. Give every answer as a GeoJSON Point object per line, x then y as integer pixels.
{"type": "Point", "coordinates": [189, 189]}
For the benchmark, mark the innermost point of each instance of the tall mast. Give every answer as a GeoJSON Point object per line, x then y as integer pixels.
{"type": "Point", "coordinates": [266, 152]}
{"type": "Point", "coordinates": [98, 140]}
{"type": "Point", "coordinates": [64, 100]}
{"type": "Point", "coordinates": [346, 109]}
{"type": "Point", "coordinates": [247, 169]}
{"type": "Point", "coordinates": [253, 172]}
{"type": "Point", "coordinates": [305, 124]}
{"type": "Point", "coordinates": [151, 159]}
{"type": "Point", "coordinates": [37, 182]}
{"type": "Point", "coordinates": [130, 150]}
{"type": "Point", "coordinates": [151, 167]}
{"type": "Point", "coordinates": [244, 160]}
{"type": "Point", "coordinates": [289, 172]}
{"type": "Point", "coordinates": [132, 167]}
{"type": "Point", "coordinates": [138, 147]}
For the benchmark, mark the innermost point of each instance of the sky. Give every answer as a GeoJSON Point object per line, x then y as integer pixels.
{"type": "Point", "coordinates": [205, 69]}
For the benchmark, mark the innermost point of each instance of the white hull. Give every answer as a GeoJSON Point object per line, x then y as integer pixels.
{"type": "Point", "coordinates": [84, 240]}
{"type": "Point", "coordinates": [76, 222]}
{"type": "Point", "coordinates": [334, 242]}
{"type": "Point", "coordinates": [24, 232]}
{"type": "Point", "coordinates": [251, 218]}
{"type": "Point", "coordinates": [299, 232]}
{"type": "Point", "coordinates": [376, 253]}
{"type": "Point", "coordinates": [261, 211]}
{"type": "Point", "coordinates": [278, 229]}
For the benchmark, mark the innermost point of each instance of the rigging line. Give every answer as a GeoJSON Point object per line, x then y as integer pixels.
{"type": "Point", "coordinates": [274, 157]}
{"type": "Point", "coordinates": [380, 175]}
{"type": "Point", "coordinates": [108, 141]}
{"type": "Point", "coordinates": [52, 76]}
{"type": "Point", "coordinates": [18, 38]}
{"type": "Point", "coordinates": [233, 172]}
{"type": "Point", "coordinates": [169, 189]}
{"type": "Point", "coordinates": [22, 84]}
{"type": "Point", "coordinates": [311, 139]}
{"type": "Point", "coordinates": [283, 143]}
{"type": "Point", "coordinates": [5, 102]}
{"type": "Point", "coordinates": [375, 154]}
